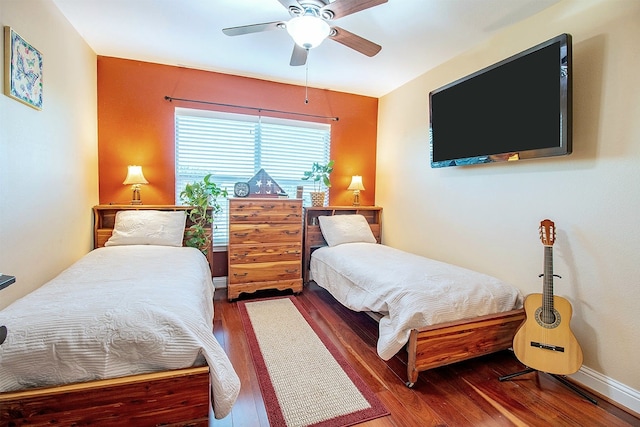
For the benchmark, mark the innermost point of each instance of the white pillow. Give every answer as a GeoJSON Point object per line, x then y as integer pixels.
{"type": "Point", "coordinates": [148, 227]}
{"type": "Point", "coordinates": [338, 229]}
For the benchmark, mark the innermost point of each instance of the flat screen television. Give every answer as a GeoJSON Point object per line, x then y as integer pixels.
{"type": "Point", "coordinates": [519, 108]}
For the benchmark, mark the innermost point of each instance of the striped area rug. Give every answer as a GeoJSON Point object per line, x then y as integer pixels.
{"type": "Point", "coordinates": [304, 380]}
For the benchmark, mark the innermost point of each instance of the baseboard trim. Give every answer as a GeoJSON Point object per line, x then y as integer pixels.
{"type": "Point", "coordinates": [608, 387]}
{"type": "Point", "coordinates": [220, 282]}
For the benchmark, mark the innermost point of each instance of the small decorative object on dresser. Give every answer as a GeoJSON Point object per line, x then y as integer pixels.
{"type": "Point", "coordinates": [241, 189]}
{"type": "Point", "coordinates": [265, 245]}
{"type": "Point", "coordinates": [262, 185]}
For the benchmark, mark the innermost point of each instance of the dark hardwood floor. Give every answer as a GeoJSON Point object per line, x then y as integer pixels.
{"type": "Point", "coordinates": [463, 394]}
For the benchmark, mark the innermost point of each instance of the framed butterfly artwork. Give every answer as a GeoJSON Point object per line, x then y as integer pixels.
{"type": "Point", "coordinates": [23, 70]}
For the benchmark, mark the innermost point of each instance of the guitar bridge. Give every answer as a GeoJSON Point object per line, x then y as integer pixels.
{"type": "Point", "coordinates": [547, 346]}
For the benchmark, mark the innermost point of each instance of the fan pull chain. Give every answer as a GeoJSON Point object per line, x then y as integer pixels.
{"type": "Point", "coordinates": [306, 79]}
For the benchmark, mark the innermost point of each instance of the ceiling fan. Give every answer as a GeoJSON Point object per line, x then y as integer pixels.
{"type": "Point", "coordinates": [309, 26]}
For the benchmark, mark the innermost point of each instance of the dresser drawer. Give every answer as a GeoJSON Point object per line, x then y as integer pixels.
{"type": "Point", "coordinates": [274, 252]}
{"type": "Point", "coordinates": [264, 271]}
{"type": "Point", "coordinates": [267, 211]}
{"type": "Point", "coordinates": [264, 233]}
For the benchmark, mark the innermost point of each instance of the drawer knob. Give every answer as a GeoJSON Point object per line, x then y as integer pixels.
{"type": "Point", "coordinates": [292, 271]}
{"type": "Point", "coordinates": [241, 234]}
{"type": "Point", "coordinates": [289, 232]}
{"type": "Point", "coordinates": [240, 274]}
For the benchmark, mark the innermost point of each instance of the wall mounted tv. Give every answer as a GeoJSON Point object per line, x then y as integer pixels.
{"type": "Point", "coordinates": [519, 108]}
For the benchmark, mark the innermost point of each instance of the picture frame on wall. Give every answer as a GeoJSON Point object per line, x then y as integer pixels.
{"type": "Point", "coordinates": [23, 70]}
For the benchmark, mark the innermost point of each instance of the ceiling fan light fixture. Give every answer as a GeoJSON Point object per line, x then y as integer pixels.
{"type": "Point", "coordinates": [308, 31]}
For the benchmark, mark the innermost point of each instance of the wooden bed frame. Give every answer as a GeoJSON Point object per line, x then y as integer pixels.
{"type": "Point", "coordinates": [178, 397]}
{"type": "Point", "coordinates": [432, 346]}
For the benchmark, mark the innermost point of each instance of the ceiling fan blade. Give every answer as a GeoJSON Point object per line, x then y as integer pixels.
{"type": "Point", "coordinates": [340, 8]}
{"type": "Point", "coordinates": [254, 28]}
{"type": "Point", "coordinates": [355, 42]}
{"type": "Point", "coordinates": [298, 56]}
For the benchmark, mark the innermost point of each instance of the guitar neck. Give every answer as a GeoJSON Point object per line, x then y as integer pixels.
{"type": "Point", "coordinates": [547, 290]}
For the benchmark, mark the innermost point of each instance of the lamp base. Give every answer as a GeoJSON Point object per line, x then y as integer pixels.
{"type": "Point", "coordinates": [135, 197]}
{"type": "Point", "coordinates": [356, 197]}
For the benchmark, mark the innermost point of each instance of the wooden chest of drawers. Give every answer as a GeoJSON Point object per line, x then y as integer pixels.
{"type": "Point", "coordinates": [265, 245]}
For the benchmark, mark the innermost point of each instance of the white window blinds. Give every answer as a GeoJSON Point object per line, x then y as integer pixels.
{"type": "Point", "coordinates": [233, 147]}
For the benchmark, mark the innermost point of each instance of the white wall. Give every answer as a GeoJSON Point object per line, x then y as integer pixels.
{"type": "Point", "coordinates": [486, 217]}
{"type": "Point", "coordinates": [49, 167]}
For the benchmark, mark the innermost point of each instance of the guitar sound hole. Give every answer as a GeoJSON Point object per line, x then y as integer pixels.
{"type": "Point", "coordinates": [547, 318]}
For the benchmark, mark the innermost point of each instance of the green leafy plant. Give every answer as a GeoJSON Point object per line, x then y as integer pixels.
{"type": "Point", "coordinates": [319, 174]}
{"type": "Point", "coordinates": [203, 196]}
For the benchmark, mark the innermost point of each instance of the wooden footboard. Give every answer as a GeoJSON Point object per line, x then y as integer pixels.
{"type": "Point", "coordinates": [177, 398]}
{"type": "Point", "coordinates": [447, 343]}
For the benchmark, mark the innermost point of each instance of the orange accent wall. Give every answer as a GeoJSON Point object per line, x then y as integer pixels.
{"type": "Point", "coordinates": [136, 124]}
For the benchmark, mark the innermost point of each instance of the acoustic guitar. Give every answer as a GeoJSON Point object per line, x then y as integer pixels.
{"type": "Point", "coordinates": [545, 341]}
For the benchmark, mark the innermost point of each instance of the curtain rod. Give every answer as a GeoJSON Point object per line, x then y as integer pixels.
{"type": "Point", "coordinates": [171, 99]}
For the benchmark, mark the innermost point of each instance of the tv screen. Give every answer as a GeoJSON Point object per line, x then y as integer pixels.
{"type": "Point", "coordinates": [519, 108]}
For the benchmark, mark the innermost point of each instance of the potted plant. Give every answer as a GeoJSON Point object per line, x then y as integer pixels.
{"type": "Point", "coordinates": [202, 195]}
{"type": "Point", "coordinates": [319, 174]}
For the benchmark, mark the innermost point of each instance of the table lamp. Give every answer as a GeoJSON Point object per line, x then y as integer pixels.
{"type": "Point", "coordinates": [356, 186]}
{"type": "Point", "coordinates": [135, 178]}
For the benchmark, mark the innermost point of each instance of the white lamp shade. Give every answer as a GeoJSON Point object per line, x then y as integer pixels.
{"type": "Point", "coordinates": [308, 31]}
{"type": "Point", "coordinates": [356, 183]}
{"type": "Point", "coordinates": [135, 176]}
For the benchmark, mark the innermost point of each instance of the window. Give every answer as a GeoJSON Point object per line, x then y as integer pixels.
{"type": "Point", "coordinates": [233, 147]}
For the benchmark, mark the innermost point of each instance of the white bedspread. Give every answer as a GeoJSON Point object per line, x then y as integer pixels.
{"type": "Point", "coordinates": [118, 311]}
{"type": "Point", "coordinates": [409, 290]}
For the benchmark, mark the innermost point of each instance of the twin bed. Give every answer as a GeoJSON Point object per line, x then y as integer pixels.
{"type": "Point", "coordinates": [439, 312]}
{"type": "Point", "coordinates": [124, 336]}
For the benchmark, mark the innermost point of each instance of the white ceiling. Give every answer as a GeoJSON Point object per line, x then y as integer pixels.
{"type": "Point", "coordinates": [415, 35]}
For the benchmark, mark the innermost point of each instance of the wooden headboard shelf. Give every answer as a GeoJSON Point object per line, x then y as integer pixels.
{"type": "Point", "coordinates": [104, 219]}
{"type": "Point", "coordinates": [313, 238]}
